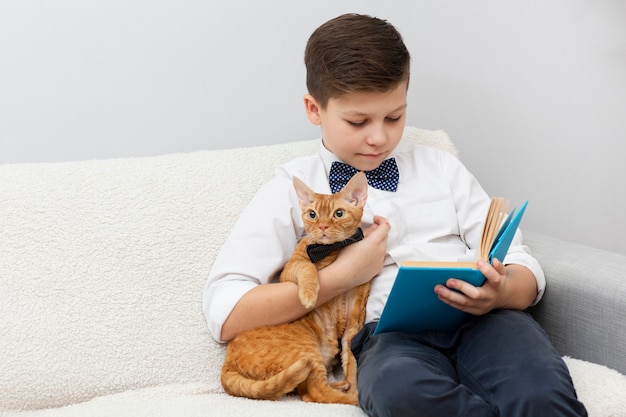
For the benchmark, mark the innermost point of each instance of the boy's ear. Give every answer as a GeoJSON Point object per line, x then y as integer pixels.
{"type": "Point", "coordinates": [312, 109]}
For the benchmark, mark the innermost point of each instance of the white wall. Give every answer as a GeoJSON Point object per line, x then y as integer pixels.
{"type": "Point", "coordinates": [533, 92]}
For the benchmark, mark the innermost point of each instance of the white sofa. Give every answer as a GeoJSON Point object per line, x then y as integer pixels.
{"type": "Point", "coordinates": [102, 265]}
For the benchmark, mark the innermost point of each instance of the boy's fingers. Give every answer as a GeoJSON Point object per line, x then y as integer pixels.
{"type": "Point", "coordinates": [378, 222]}
{"type": "Point", "coordinates": [381, 221]}
{"type": "Point", "coordinates": [467, 289]}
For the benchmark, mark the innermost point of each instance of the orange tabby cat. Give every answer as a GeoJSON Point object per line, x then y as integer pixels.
{"type": "Point", "coordinates": [272, 361]}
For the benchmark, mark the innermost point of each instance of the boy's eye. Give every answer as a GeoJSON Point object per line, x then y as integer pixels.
{"type": "Point", "coordinates": [312, 214]}
{"type": "Point", "coordinates": [339, 213]}
{"type": "Point", "coordinates": [356, 124]}
{"type": "Point", "coordinates": [394, 119]}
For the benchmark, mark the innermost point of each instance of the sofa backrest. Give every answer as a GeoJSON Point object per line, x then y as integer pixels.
{"type": "Point", "coordinates": [102, 265]}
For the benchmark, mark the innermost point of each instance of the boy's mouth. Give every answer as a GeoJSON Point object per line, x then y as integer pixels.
{"type": "Point", "coordinates": [372, 159]}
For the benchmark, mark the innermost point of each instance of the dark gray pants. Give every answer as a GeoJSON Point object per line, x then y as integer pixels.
{"type": "Point", "coordinates": [499, 364]}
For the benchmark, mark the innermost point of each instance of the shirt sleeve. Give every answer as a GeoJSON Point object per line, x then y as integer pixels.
{"type": "Point", "coordinates": [258, 246]}
{"type": "Point", "coordinates": [520, 254]}
{"type": "Point", "coordinates": [472, 205]}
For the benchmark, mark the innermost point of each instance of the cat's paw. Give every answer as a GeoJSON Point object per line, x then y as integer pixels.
{"type": "Point", "coordinates": [308, 296]}
{"type": "Point", "coordinates": [341, 385]}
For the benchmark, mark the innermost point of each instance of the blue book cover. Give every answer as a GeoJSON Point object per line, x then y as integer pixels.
{"type": "Point", "coordinates": [413, 306]}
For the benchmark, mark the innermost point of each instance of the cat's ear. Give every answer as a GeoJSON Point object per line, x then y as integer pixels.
{"type": "Point", "coordinates": [355, 191]}
{"type": "Point", "coordinates": [305, 194]}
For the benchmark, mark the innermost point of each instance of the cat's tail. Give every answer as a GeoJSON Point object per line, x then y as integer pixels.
{"type": "Point", "coordinates": [272, 388]}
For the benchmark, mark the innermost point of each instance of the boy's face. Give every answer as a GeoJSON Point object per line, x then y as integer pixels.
{"type": "Point", "coordinates": [361, 128]}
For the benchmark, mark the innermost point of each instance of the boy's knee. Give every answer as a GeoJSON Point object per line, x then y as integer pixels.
{"type": "Point", "coordinates": [397, 390]}
{"type": "Point", "coordinates": [392, 401]}
{"type": "Point", "coordinates": [385, 391]}
{"type": "Point", "coordinates": [548, 393]}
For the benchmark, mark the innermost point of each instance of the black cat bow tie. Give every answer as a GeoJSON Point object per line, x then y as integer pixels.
{"type": "Point", "coordinates": [318, 251]}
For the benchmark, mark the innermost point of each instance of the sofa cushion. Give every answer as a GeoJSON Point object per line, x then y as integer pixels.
{"type": "Point", "coordinates": [101, 273]}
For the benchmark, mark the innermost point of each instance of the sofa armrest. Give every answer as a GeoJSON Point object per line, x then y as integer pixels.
{"type": "Point", "coordinates": [583, 309]}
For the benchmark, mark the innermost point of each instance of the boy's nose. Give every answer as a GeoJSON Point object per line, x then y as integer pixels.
{"type": "Point", "coordinates": [376, 136]}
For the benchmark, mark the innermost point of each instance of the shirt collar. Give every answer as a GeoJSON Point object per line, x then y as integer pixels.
{"type": "Point", "coordinates": [327, 157]}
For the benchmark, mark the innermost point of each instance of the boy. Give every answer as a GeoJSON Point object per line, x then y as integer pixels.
{"type": "Point", "coordinates": [500, 362]}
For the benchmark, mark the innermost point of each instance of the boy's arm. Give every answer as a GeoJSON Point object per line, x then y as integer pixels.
{"type": "Point", "coordinates": [277, 303]}
{"type": "Point", "coordinates": [518, 285]}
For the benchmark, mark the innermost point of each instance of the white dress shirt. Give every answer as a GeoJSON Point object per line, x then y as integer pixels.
{"type": "Point", "coordinates": [437, 213]}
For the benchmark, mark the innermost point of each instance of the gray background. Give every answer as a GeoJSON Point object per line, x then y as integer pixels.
{"type": "Point", "coordinates": [533, 92]}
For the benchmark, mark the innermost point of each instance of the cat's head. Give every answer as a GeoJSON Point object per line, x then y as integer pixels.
{"type": "Point", "coordinates": [330, 218]}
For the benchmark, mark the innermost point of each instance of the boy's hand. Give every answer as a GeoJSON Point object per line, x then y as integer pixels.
{"type": "Point", "coordinates": [366, 257]}
{"type": "Point", "coordinates": [513, 287]}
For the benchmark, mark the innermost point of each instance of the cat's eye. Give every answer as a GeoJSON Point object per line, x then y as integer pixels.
{"type": "Point", "coordinates": [312, 214]}
{"type": "Point", "coordinates": [339, 213]}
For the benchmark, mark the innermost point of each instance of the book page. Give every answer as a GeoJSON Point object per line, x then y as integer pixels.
{"type": "Point", "coordinates": [493, 222]}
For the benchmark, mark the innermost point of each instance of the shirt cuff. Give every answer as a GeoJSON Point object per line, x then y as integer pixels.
{"type": "Point", "coordinates": [220, 300]}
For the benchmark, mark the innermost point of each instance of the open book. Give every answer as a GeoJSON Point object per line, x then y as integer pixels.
{"type": "Point", "coordinates": [414, 307]}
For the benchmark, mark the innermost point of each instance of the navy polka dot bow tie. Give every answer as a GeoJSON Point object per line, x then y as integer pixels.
{"type": "Point", "coordinates": [385, 177]}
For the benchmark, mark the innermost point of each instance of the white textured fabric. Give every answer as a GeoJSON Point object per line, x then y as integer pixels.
{"type": "Point", "coordinates": [599, 388]}
{"type": "Point", "coordinates": [102, 265]}
{"type": "Point", "coordinates": [101, 269]}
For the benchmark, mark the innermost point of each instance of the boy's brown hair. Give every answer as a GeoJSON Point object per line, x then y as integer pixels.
{"type": "Point", "coordinates": [352, 53]}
